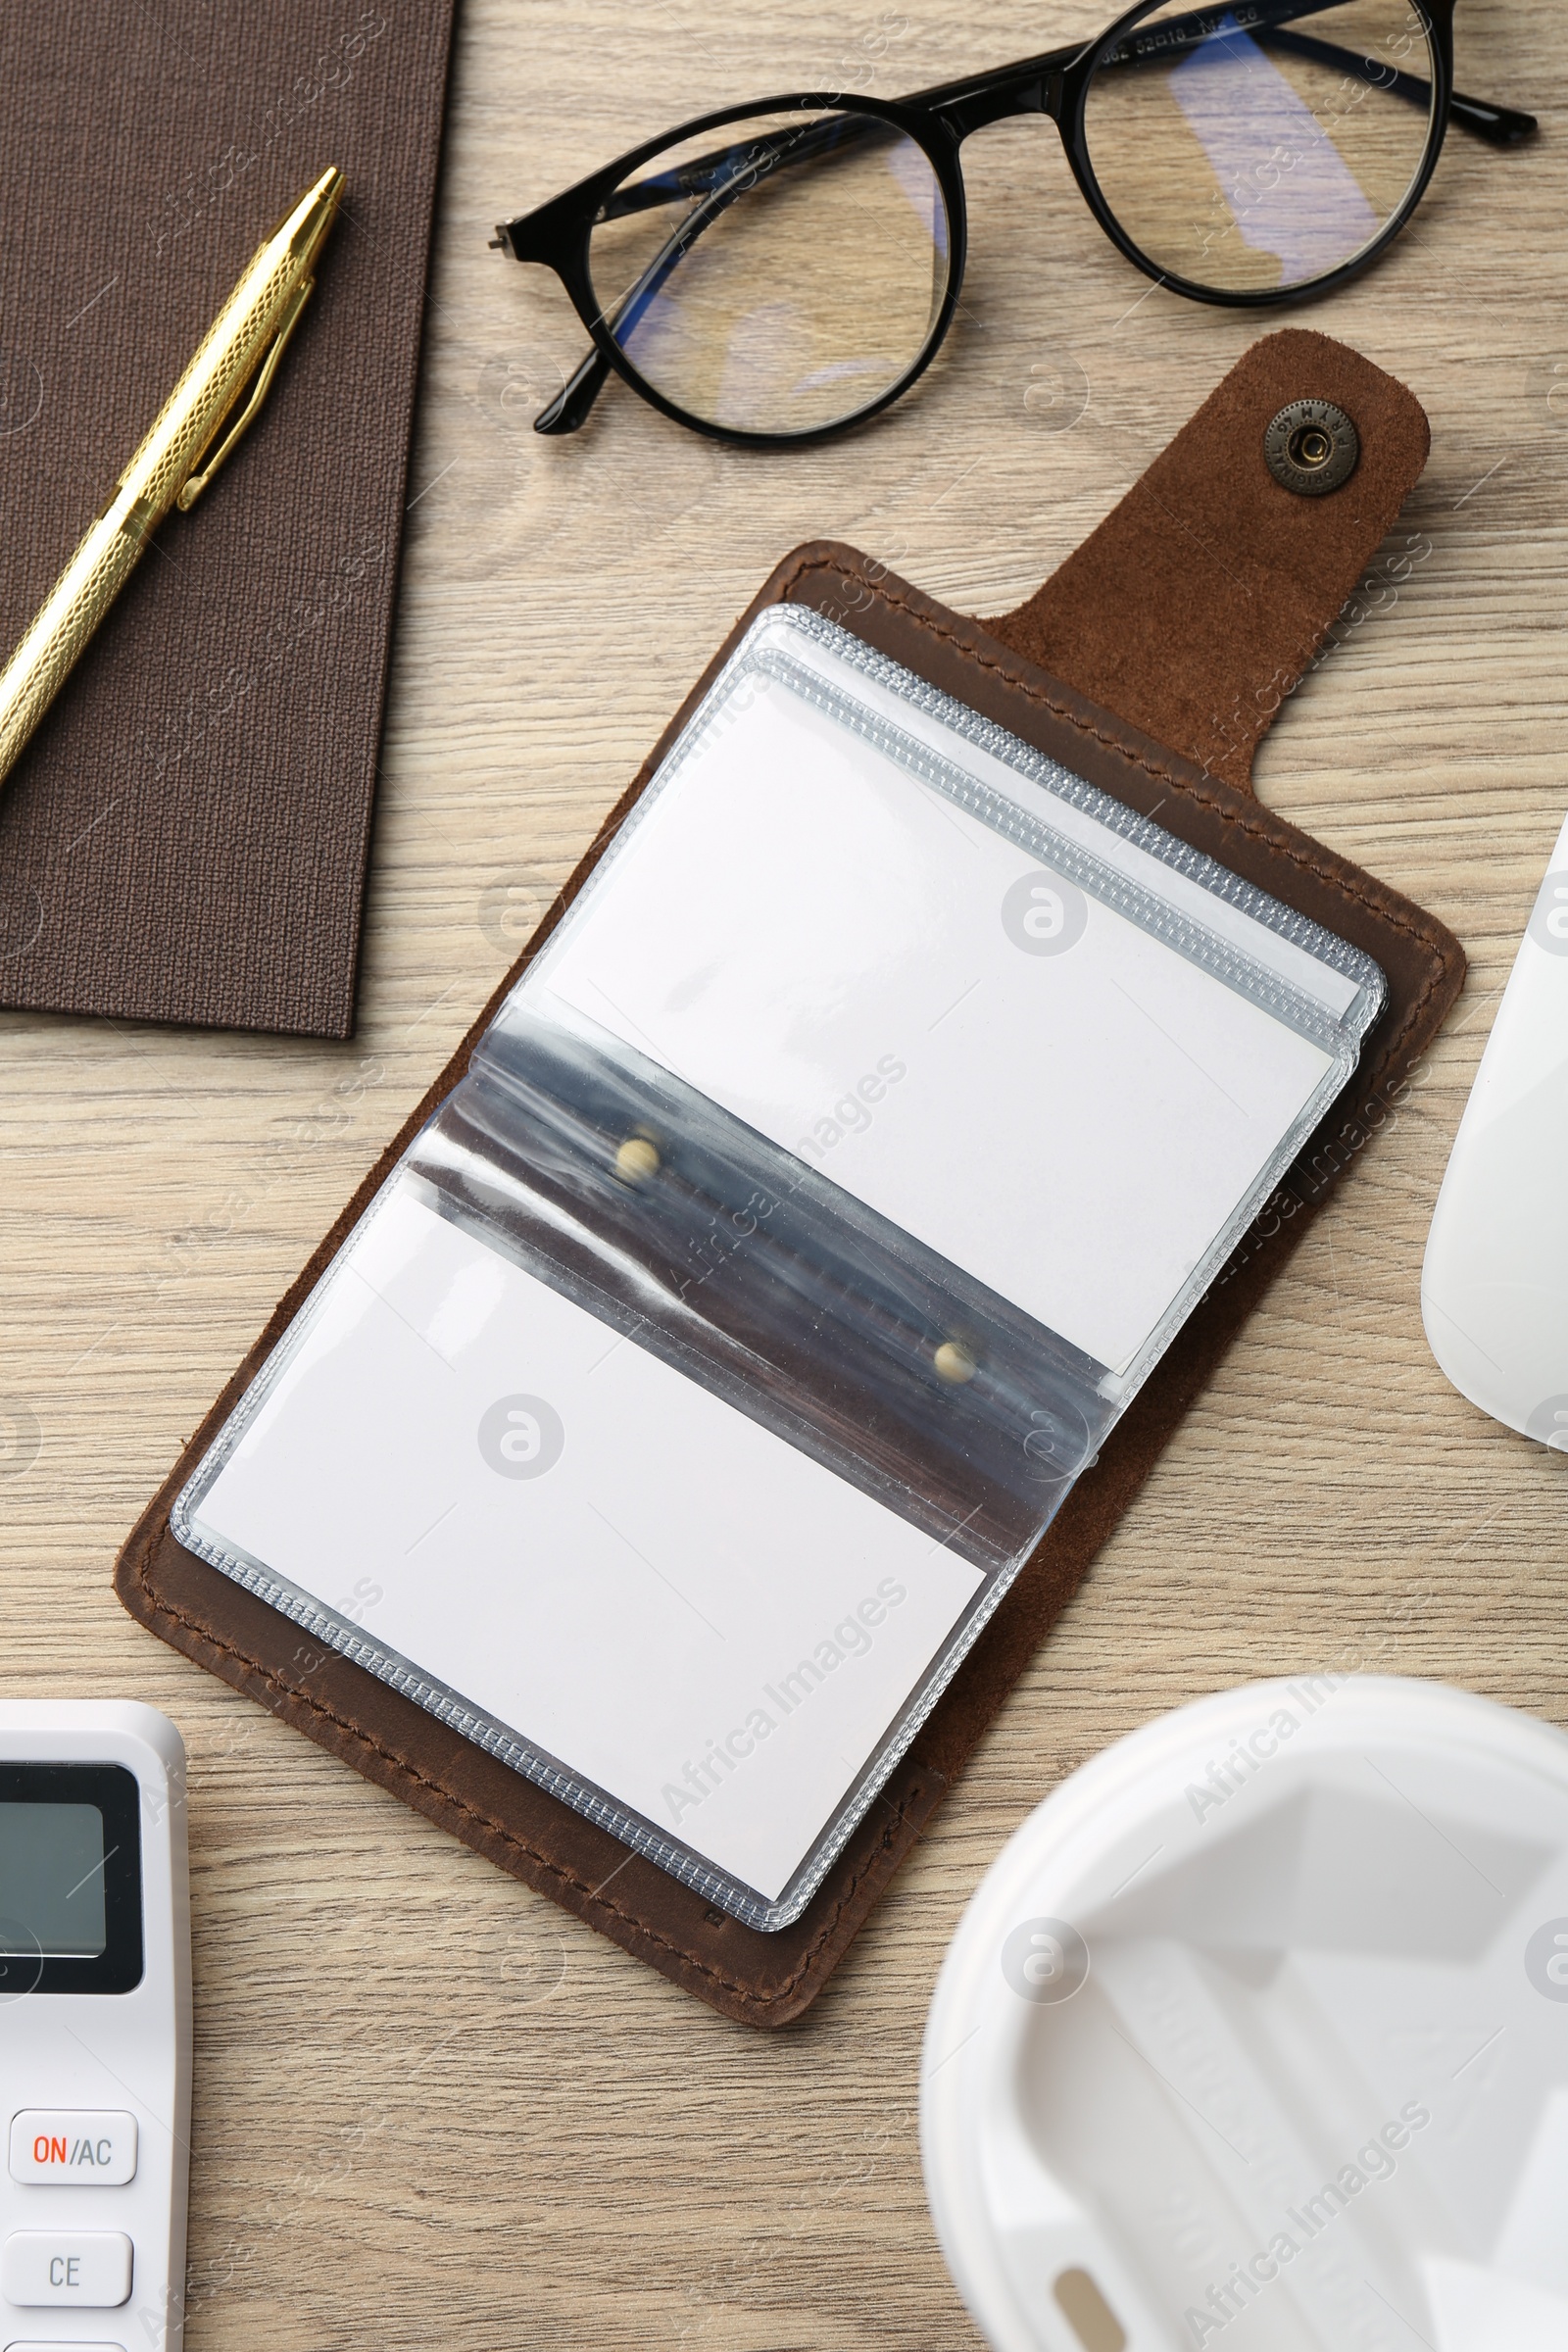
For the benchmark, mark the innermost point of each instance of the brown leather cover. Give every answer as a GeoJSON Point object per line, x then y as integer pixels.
{"type": "Point", "coordinates": [769, 1979]}
{"type": "Point", "coordinates": [184, 839]}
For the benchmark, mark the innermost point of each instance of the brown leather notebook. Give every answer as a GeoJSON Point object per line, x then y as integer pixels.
{"type": "Point", "coordinates": [1202, 595]}
{"type": "Point", "coordinates": [184, 839]}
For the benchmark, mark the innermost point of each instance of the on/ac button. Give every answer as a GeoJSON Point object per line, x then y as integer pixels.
{"type": "Point", "coordinates": [74, 2147]}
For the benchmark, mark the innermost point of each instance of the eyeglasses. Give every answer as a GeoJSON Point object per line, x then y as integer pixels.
{"type": "Point", "coordinates": [772, 273]}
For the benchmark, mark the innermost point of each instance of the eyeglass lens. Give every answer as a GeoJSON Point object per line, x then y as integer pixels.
{"type": "Point", "coordinates": [1259, 157]}
{"type": "Point", "coordinates": [777, 274]}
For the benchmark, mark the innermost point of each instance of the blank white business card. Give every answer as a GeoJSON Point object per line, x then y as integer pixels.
{"type": "Point", "coordinates": [588, 1548]}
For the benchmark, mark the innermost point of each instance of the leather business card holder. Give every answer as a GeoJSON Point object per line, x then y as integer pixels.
{"type": "Point", "coordinates": [1151, 664]}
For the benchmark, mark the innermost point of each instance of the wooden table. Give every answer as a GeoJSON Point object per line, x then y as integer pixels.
{"type": "Point", "coordinates": [430, 2109]}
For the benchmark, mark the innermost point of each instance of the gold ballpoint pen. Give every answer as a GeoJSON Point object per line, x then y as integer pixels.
{"type": "Point", "coordinates": [172, 467]}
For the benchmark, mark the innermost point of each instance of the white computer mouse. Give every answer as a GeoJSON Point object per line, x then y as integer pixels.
{"type": "Point", "coordinates": [1495, 1284]}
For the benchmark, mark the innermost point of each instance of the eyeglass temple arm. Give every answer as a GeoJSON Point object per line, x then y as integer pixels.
{"type": "Point", "coordinates": [568, 412]}
{"type": "Point", "coordinates": [572, 404]}
{"type": "Point", "coordinates": [1499, 125]}
{"type": "Point", "coordinates": [973, 103]}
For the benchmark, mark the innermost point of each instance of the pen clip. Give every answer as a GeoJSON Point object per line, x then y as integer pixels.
{"type": "Point", "coordinates": [196, 482]}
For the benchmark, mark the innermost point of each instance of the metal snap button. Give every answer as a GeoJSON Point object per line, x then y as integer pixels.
{"type": "Point", "coordinates": [1311, 446]}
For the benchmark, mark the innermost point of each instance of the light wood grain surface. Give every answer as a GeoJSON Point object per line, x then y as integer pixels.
{"type": "Point", "coordinates": [429, 2109]}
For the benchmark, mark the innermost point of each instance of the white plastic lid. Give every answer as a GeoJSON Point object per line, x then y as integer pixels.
{"type": "Point", "coordinates": [1255, 2034]}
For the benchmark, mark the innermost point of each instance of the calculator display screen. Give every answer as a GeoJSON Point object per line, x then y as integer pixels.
{"type": "Point", "coordinates": [70, 1880]}
{"type": "Point", "coordinates": [52, 1878]}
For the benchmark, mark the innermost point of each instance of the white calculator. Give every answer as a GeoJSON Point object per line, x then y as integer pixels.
{"type": "Point", "coordinates": [94, 2027]}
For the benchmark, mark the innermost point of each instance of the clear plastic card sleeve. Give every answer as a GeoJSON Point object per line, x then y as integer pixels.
{"type": "Point", "coordinates": [693, 1391]}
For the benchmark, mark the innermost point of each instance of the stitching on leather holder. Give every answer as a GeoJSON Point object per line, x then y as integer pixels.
{"type": "Point", "coordinates": [548, 1865]}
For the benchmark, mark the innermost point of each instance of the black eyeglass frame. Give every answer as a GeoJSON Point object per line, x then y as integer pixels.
{"type": "Point", "coordinates": [557, 235]}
